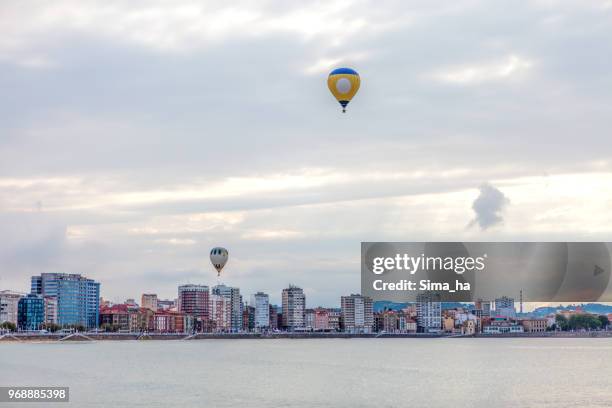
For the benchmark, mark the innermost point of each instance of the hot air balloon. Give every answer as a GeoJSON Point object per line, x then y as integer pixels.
{"type": "Point", "coordinates": [343, 83]}
{"type": "Point", "coordinates": [218, 257]}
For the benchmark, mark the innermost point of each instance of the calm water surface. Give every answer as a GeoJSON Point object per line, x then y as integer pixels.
{"type": "Point", "coordinates": [319, 373]}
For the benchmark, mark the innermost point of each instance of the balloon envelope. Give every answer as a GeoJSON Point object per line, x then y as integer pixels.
{"type": "Point", "coordinates": [218, 257]}
{"type": "Point", "coordinates": [343, 83]}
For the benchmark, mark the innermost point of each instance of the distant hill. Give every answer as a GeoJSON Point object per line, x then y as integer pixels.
{"type": "Point", "coordinates": [596, 308]}
{"type": "Point", "coordinates": [381, 305]}
{"type": "Point", "coordinates": [455, 305]}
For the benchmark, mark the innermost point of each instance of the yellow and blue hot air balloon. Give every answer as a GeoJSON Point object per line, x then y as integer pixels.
{"type": "Point", "coordinates": [343, 83]}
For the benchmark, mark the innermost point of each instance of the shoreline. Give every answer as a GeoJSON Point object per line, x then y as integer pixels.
{"type": "Point", "coordinates": [76, 337]}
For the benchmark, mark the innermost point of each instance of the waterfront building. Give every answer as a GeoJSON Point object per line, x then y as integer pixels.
{"type": "Point", "coordinates": [429, 312]}
{"type": "Point", "coordinates": [378, 322]}
{"type": "Point", "coordinates": [502, 326]}
{"type": "Point", "coordinates": [194, 300]}
{"type": "Point", "coordinates": [321, 319]}
{"type": "Point", "coordinates": [448, 324]}
{"type": "Point", "coordinates": [393, 321]}
{"type": "Point", "coordinates": [163, 322]}
{"type": "Point", "coordinates": [233, 295]}
{"type": "Point", "coordinates": [294, 306]}
{"type": "Point", "coordinates": [468, 328]}
{"type": "Point", "coordinates": [221, 313]}
{"type": "Point", "coordinates": [30, 312]}
{"type": "Point", "coordinates": [248, 318]}
{"type": "Point", "coordinates": [504, 307]}
{"type": "Point", "coordinates": [77, 297]}
{"type": "Point", "coordinates": [140, 319]}
{"type": "Point", "coordinates": [8, 306]}
{"type": "Point", "coordinates": [124, 317]}
{"type": "Point", "coordinates": [168, 321]}
{"type": "Point", "coordinates": [334, 319]}
{"type": "Point", "coordinates": [482, 308]}
{"type": "Point", "coordinates": [387, 321]}
{"type": "Point", "coordinates": [114, 318]}
{"type": "Point", "coordinates": [50, 309]}
{"type": "Point", "coordinates": [535, 325]}
{"type": "Point", "coordinates": [188, 324]}
{"type": "Point", "coordinates": [357, 313]}
{"type": "Point", "coordinates": [279, 318]}
{"type": "Point", "coordinates": [261, 302]}
{"type": "Point", "coordinates": [149, 301]}
{"type": "Point", "coordinates": [309, 319]}
{"type": "Point", "coordinates": [411, 325]}
{"type": "Point", "coordinates": [274, 317]}
{"type": "Point", "coordinates": [401, 321]}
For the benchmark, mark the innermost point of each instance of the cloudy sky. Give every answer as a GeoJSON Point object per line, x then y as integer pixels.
{"type": "Point", "coordinates": [136, 135]}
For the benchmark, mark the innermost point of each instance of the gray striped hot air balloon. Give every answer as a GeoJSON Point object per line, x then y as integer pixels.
{"type": "Point", "coordinates": [218, 257]}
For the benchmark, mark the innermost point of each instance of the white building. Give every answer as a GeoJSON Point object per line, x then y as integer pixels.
{"type": "Point", "coordinates": [357, 313]}
{"type": "Point", "coordinates": [8, 306]}
{"type": "Point", "coordinates": [309, 319]}
{"type": "Point", "coordinates": [149, 301]}
{"type": "Point", "coordinates": [261, 302]}
{"type": "Point", "coordinates": [500, 329]}
{"type": "Point", "coordinates": [233, 294]}
{"type": "Point", "coordinates": [294, 306]}
{"type": "Point", "coordinates": [51, 309]}
{"type": "Point", "coordinates": [429, 312]}
{"type": "Point", "coordinates": [504, 307]}
{"type": "Point", "coordinates": [221, 313]}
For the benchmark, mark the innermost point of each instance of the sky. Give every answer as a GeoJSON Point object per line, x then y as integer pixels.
{"type": "Point", "coordinates": [136, 135]}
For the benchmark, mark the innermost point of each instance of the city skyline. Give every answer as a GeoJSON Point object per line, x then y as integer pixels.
{"type": "Point", "coordinates": [60, 302]}
{"type": "Point", "coordinates": [276, 299]}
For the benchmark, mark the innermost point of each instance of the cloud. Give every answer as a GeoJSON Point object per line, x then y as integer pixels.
{"type": "Point", "coordinates": [176, 241]}
{"type": "Point", "coordinates": [28, 61]}
{"type": "Point", "coordinates": [178, 27]}
{"type": "Point", "coordinates": [325, 65]}
{"type": "Point", "coordinates": [488, 206]}
{"type": "Point", "coordinates": [510, 67]}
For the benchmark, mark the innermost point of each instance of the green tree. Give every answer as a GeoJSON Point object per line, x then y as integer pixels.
{"type": "Point", "coordinates": [584, 322]}
{"type": "Point", "coordinates": [8, 326]}
{"type": "Point", "coordinates": [604, 321]}
{"type": "Point", "coordinates": [561, 322]}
